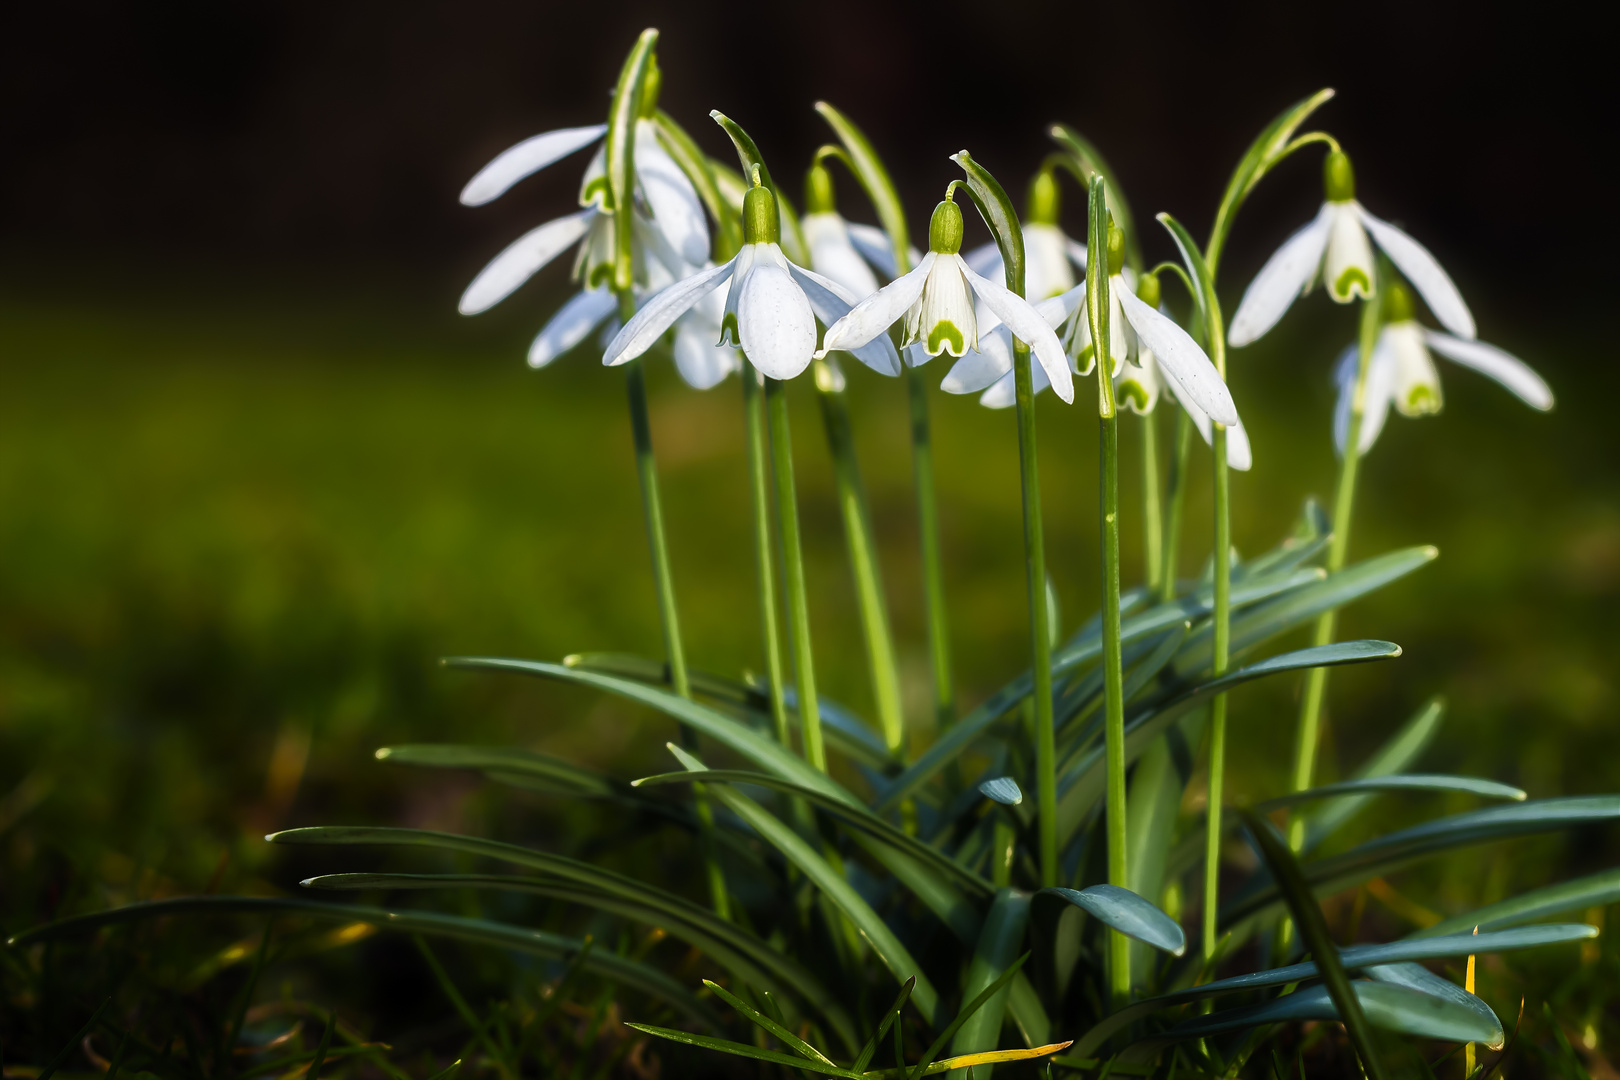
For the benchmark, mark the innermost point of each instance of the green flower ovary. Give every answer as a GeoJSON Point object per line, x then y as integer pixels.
{"type": "Point", "coordinates": [1338, 178]}
{"type": "Point", "coordinates": [761, 225]}
{"type": "Point", "coordinates": [945, 229]}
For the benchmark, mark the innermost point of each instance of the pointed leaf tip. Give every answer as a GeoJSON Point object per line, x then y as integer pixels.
{"type": "Point", "coordinates": [382, 752]}
{"type": "Point", "coordinates": [1002, 789]}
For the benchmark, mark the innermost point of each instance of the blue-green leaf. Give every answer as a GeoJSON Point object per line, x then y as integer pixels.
{"type": "Point", "coordinates": [1000, 942]}
{"type": "Point", "coordinates": [1472, 785]}
{"type": "Point", "coordinates": [1002, 789]}
{"type": "Point", "coordinates": [1403, 748]}
{"type": "Point", "coordinates": [1394, 1008]}
{"type": "Point", "coordinates": [1595, 890]}
{"type": "Point", "coordinates": [1126, 912]}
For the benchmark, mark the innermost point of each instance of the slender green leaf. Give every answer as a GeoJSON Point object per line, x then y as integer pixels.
{"type": "Point", "coordinates": [831, 883]}
{"type": "Point", "coordinates": [1354, 958]}
{"type": "Point", "coordinates": [74, 1043]}
{"type": "Point", "coordinates": [1290, 555]}
{"type": "Point", "coordinates": [1300, 606]}
{"type": "Point", "coordinates": [1394, 1008]}
{"type": "Point", "coordinates": [1126, 912]}
{"type": "Point", "coordinates": [1313, 932]}
{"type": "Point", "coordinates": [608, 965]}
{"type": "Point", "coordinates": [969, 1062]}
{"type": "Point", "coordinates": [737, 1049]}
{"type": "Point", "coordinates": [869, 170]}
{"type": "Point", "coordinates": [1000, 942]}
{"type": "Point", "coordinates": [502, 759]}
{"type": "Point", "coordinates": [858, 818]}
{"type": "Point", "coordinates": [765, 1023]}
{"type": "Point", "coordinates": [1400, 751]}
{"type": "Point", "coordinates": [966, 1014]}
{"type": "Point", "coordinates": [1385, 853]}
{"type": "Point", "coordinates": [1596, 890]}
{"type": "Point", "coordinates": [1472, 785]}
{"type": "Point", "coordinates": [889, 1018]}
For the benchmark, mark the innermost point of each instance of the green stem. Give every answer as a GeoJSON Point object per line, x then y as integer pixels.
{"type": "Point", "coordinates": [1217, 710]}
{"type": "Point", "coordinates": [1308, 733]}
{"type": "Point", "coordinates": [1119, 946]}
{"type": "Point", "coordinates": [861, 540]}
{"type": "Point", "coordinates": [1152, 512]}
{"type": "Point", "coordinates": [759, 481]}
{"type": "Point", "coordinates": [798, 602]}
{"type": "Point", "coordinates": [1176, 503]}
{"type": "Point", "coordinates": [1039, 634]}
{"type": "Point", "coordinates": [663, 581]}
{"type": "Point", "coordinates": [933, 565]}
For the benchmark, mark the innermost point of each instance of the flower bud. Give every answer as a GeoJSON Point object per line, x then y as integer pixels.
{"type": "Point", "coordinates": [1148, 291]}
{"type": "Point", "coordinates": [1338, 178]}
{"type": "Point", "coordinates": [1398, 306]}
{"type": "Point", "coordinates": [945, 229]}
{"type": "Point", "coordinates": [1116, 248]}
{"type": "Point", "coordinates": [1043, 205]}
{"type": "Point", "coordinates": [761, 225]}
{"type": "Point", "coordinates": [818, 191]}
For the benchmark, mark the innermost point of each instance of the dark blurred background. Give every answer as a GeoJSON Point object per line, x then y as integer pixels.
{"type": "Point", "coordinates": [256, 475]}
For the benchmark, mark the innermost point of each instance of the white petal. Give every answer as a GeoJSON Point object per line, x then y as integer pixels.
{"type": "Point", "coordinates": [700, 361]}
{"type": "Point", "coordinates": [1280, 281]}
{"type": "Point", "coordinates": [521, 259]}
{"type": "Point", "coordinates": [1415, 263]}
{"type": "Point", "coordinates": [1239, 455]}
{"type": "Point", "coordinates": [1416, 390]}
{"type": "Point", "coordinates": [774, 321]}
{"type": "Point", "coordinates": [878, 312]}
{"type": "Point", "coordinates": [571, 325]}
{"type": "Point", "coordinates": [660, 313]}
{"type": "Point", "coordinates": [979, 368]}
{"type": "Point", "coordinates": [1502, 366]}
{"type": "Point", "coordinates": [1375, 399]}
{"type": "Point", "coordinates": [529, 156]}
{"type": "Point", "coordinates": [676, 209]}
{"type": "Point", "coordinates": [1047, 272]}
{"type": "Point", "coordinates": [1004, 394]}
{"type": "Point", "coordinates": [1180, 359]}
{"type": "Point", "coordinates": [833, 256]}
{"type": "Point", "coordinates": [1347, 266]}
{"type": "Point", "coordinates": [831, 302]}
{"type": "Point", "coordinates": [873, 245]}
{"type": "Point", "coordinates": [947, 301]}
{"type": "Point", "coordinates": [1030, 327]}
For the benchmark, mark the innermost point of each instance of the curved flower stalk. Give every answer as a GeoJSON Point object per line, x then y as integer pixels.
{"type": "Point", "coordinates": [770, 308]}
{"type": "Point", "coordinates": [1336, 248]}
{"type": "Point", "coordinates": [936, 303]}
{"type": "Point", "coordinates": [1401, 372]}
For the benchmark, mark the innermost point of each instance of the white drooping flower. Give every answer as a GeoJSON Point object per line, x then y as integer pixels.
{"type": "Point", "coordinates": [1335, 248]}
{"type": "Point", "coordinates": [670, 241]}
{"type": "Point", "coordinates": [1401, 372]}
{"type": "Point", "coordinates": [936, 302]}
{"type": "Point", "coordinates": [770, 309]}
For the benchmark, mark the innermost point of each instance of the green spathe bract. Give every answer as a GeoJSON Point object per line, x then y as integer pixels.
{"type": "Point", "coordinates": [884, 901]}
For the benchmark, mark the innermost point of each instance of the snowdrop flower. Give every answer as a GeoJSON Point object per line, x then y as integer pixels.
{"type": "Point", "coordinates": [1050, 256]}
{"type": "Point", "coordinates": [833, 253]}
{"type": "Point", "coordinates": [770, 309]}
{"type": "Point", "coordinates": [936, 302]}
{"type": "Point", "coordinates": [1335, 248]}
{"type": "Point", "coordinates": [1402, 372]}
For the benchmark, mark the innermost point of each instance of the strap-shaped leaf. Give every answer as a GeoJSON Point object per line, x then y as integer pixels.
{"type": "Point", "coordinates": [855, 817]}
{"type": "Point", "coordinates": [765, 1023]}
{"type": "Point", "coordinates": [999, 216]}
{"type": "Point", "coordinates": [1270, 147]}
{"type": "Point", "coordinates": [1354, 958]}
{"type": "Point", "coordinates": [1084, 784]}
{"type": "Point", "coordinates": [966, 1014]}
{"type": "Point", "coordinates": [889, 1019]}
{"type": "Point", "coordinates": [1419, 978]}
{"type": "Point", "coordinates": [1313, 932]}
{"type": "Point", "coordinates": [1000, 942]}
{"type": "Point", "coordinates": [621, 139]}
{"type": "Point", "coordinates": [1125, 911]}
{"type": "Point", "coordinates": [490, 759]}
{"type": "Point", "coordinates": [631, 973]}
{"type": "Point", "coordinates": [746, 1050]}
{"type": "Point", "coordinates": [1082, 649]}
{"type": "Point", "coordinates": [1385, 853]}
{"type": "Point", "coordinates": [1394, 1008]}
{"type": "Point", "coordinates": [1595, 890]}
{"type": "Point", "coordinates": [1300, 606]}
{"type": "Point", "coordinates": [1402, 749]}
{"type": "Point", "coordinates": [832, 884]}
{"type": "Point", "coordinates": [1472, 785]}
{"type": "Point", "coordinates": [874, 178]}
